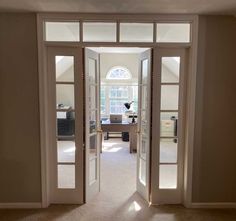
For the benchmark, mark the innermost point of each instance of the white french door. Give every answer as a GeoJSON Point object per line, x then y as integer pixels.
{"type": "Point", "coordinates": [93, 133]}
{"type": "Point", "coordinates": [65, 99]}
{"type": "Point", "coordinates": [167, 126]}
{"type": "Point", "coordinates": [143, 133]}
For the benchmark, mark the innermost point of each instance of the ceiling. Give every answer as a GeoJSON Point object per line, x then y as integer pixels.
{"type": "Point", "coordinates": [122, 6]}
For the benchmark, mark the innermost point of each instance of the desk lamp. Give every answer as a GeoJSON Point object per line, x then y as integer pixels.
{"type": "Point", "coordinates": [128, 105]}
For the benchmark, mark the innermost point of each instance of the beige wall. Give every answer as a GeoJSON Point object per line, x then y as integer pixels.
{"type": "Point", "coordinates": [19, 127]}
{"type": "Point", "coordinates": [215, 141]}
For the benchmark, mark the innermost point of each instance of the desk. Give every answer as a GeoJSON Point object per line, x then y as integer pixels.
{"type": "Point", "coordinates": [123, 127]}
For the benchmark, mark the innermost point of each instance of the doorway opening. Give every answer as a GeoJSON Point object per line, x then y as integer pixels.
{"type": "Point", "coordinates": [122, 98]}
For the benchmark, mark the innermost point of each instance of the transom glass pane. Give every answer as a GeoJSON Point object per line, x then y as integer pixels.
{"type": "Point", "coordinates": [172, 32]}
{"type": "Point", "coordinates": [136, 32]}
{"type": "Point", "coordinates": [62, 31]}
{"type": "Point", "coordinates": [99, 32]}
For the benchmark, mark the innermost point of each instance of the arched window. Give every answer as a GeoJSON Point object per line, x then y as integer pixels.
{"type": "Point", "coordinates": [118, 73]}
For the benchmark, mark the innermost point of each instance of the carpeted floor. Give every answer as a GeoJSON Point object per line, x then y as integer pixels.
{"type": "Point", "coordinates": [117, 200]}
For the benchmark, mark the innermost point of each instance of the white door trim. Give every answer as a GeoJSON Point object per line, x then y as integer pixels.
{"type": "Point", "coordinates": [190, 116]}
{"type": "Point", "coordinates": [191, 90]}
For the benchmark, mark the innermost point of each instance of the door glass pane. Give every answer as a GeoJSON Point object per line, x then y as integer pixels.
{"type": "Point", "coordinates": [168, 124]}
{"type": "Point", "coordinates": [168, 177]}
{"type": "Point", "coordinates": [92, 170]}
{"type": "Point", "coordinates": [144, 123]}
{"type": "Point", "coordinates": [142, 171]}
{"type": "Point", "coordinates": [169, 97]}
{"type": "Point", "coordinates": [66, 176]}
{"type": "Point", "coordinates": [170, 68]}
{"type": "Point", "coordinates": [92, 97]}
{"type": "Point", "coordinates": [64, 68]}
{"type": "Point", "coordinates": [65, 95]}
{"type": "Point", "coordinates": [62, 31]}
{"type": "Point", "coordinates": [143, 147]}
{"type": "Point", "coordinates": [93, 146]}
{"type": "Point", "coordinates": [168, 150]}
{"type": "Point", "coordinates": [167, 32]}
{"type": "Point", "coordinates": [92, 122]}
{"type": "Point", "coordinates": [65, 151]}
{"type": "Point", "coordinates": [144, 71]}
{"type": "Point", "coordinates": [136, 32]}
{"type": "Point", "coordinates": [92, 71]}
{"type": "Point", "coordinates": [144, 97]}
{"type": "Point", "coordinates": [99, 32]}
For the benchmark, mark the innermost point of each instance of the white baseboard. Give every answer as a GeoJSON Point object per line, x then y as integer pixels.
{"type": "Point", "coordinates": [20, 205]}
{"type": "Point", "coordinates": [218, 205]}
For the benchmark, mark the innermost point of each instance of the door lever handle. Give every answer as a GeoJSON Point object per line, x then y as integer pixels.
{"type": "Point", "coordinates": [99, 131]}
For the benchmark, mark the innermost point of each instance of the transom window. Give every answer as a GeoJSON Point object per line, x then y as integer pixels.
{"type": "Point", "coordinates": [118, 73]}
{"type": "Point", "coordinates": [96, 31]}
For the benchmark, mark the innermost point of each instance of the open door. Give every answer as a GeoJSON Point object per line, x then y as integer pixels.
{"type": "Point", "coordinates": [93, 133]}
{"type": "Point", "coordinates": [144, 111]}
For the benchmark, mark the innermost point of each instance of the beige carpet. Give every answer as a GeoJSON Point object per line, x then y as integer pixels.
{"type": "Point", "coordinates": [117, 200]}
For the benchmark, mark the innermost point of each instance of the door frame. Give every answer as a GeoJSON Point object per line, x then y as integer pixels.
{"type": "Point", "coordinates": [190, 90]}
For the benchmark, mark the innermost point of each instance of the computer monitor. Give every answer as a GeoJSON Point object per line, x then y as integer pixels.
{"type": "Point", "coordinates": [116, 118]}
